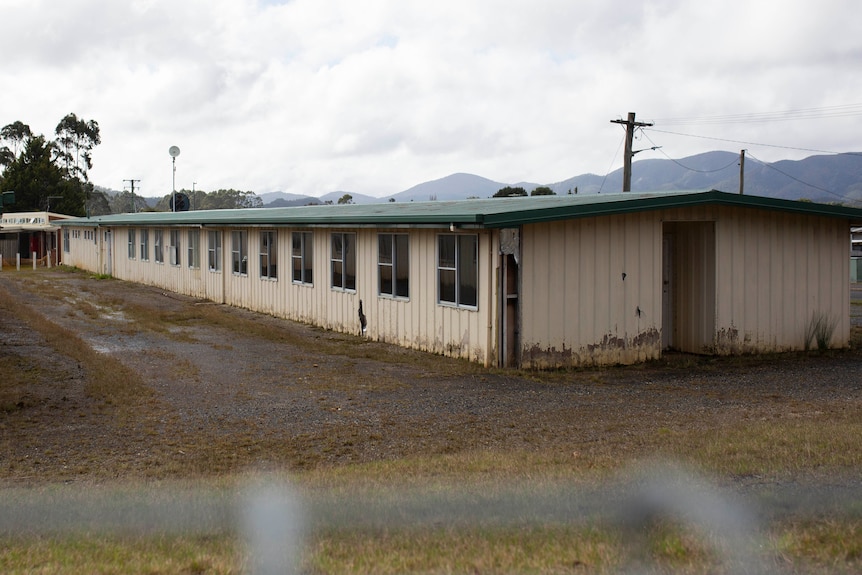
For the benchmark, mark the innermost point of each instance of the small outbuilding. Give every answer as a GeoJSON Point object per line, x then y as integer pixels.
{"type": "Point", "coordinates": [25, 234]}
{"type": "Point", "coordinates": [535, 282]}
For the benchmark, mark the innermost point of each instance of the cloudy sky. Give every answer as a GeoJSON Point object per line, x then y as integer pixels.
{"type": "Point", "coordinates": [375, 96]}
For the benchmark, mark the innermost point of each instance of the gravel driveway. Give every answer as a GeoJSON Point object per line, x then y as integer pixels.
{"type": "Point", "coordinates": [233, 389]}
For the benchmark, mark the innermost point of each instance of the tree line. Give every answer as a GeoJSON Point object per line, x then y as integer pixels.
{"type": "Point", "coordinates": [45, 173]}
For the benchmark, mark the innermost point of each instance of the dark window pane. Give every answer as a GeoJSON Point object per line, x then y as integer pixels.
{"type": "Point", "coordinates": [468, 273]}
{"type": "Point", "coordinates": [385, 279]}
{"type": "Point", "coordinates": [384, 251]}
{"type": "Point", "coordinates": [446, 251]}
{"type": "Point", "coordinates": [402, 266]}
{"type": "Point", "coordinates": [447, 286]}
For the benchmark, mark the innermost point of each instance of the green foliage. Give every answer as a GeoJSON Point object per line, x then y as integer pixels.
{"type": "Point", "coordinates": [820, 328]}
{"type": "Point", "coordinates": [345, 199]}
{"type": "Point", "coordinates": [76, 138]}
{"type": "Point", "coordinates": [543, 191]}
{"type": "Point", "coordinates": [509, 192]}
{"type": "Point", "coordinates": [37, 169]}
{"type": "Point", "coordinates": [126, 202]}
{"type": "Point", "coordinates": [34, 177]}
{"type": "Point", "coordinates": [218, 200]}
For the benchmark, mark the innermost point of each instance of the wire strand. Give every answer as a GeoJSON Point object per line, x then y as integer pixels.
{"type": "Point", "coordinates": [840, 111]}
{"type": "Point", "coordinates": [755, 143]}
{"type": "Point", "coordinates": [607, 173]}
{"type": "Point", "coordinates": [681, 165]}
{"type": "Point", "coordinates": [804, 183]}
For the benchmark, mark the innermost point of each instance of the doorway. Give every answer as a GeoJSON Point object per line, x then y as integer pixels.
{"type": "Point", "coordinates": [688, 286]}
{"type": "Point", "coordinates": [510, 284]}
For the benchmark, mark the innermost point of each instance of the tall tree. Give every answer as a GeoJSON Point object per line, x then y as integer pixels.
{"type": "Point", "coordinates": [76, 139]}
{"type": "Point", "coordinates": [35, 177]}
{"type": "Point", "coordinates": [16, 134]}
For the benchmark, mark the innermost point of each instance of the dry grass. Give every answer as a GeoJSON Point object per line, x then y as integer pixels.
{"type": "Point", "coordinates": [128, 433]}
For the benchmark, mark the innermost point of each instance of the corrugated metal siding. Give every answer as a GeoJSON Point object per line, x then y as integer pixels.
{"type": "Point", "coordinates": [773, 271]}
{"type": "Point", "coordinates": [784, 269]}
{"type": "Point", "coordinates": [418, 322]}
{"type": "Point", "coordinates": [755, 278]}
{"type": "Point", "coordinates": [84, 251]}
{"type": "Point", "coordinates": [577, 306]}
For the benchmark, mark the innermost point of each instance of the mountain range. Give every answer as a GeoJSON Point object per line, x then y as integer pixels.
{"type": "Point", "coordinates": [820, 178]}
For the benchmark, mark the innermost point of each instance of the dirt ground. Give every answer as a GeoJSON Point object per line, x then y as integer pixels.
{"type": "Point", "coordinates": [221, 389]}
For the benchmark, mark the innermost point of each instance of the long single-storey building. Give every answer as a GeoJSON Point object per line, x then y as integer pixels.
{"type": "Point", "coordinates": [537, 282]}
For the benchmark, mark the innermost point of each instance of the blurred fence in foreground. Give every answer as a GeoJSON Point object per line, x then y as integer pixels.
{"type": "Point", "coordinates": [273, 519]}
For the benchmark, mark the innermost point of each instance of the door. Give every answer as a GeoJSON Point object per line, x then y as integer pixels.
{"type": "Point", "coordinates": [667, 292]}
{"type": "Point", "coordinates": [107, 249]}
{"type": "Point", "coordinates": [510, 284]}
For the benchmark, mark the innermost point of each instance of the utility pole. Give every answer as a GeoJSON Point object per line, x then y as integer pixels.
{"type": "Point", "coordinates": [741, 171]}
{"type": "Point", "coordinates": [132, 182]}
{"type": "Point", "coordinates": [630, 125]}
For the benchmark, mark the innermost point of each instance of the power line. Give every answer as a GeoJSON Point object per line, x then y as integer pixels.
{"type": "Point", "coordinates": [608, 171]}
{"type": "Point", "coordinates": [681, 165]}
{"type": "Point", "coordinates": [754, 143]}
{"type": "Point", "coordinates": [841, 111]}
{"type": "Point", "coordinates": [804, 183]}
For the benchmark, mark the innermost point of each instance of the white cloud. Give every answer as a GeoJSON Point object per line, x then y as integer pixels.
{"type": "Point", "coordinates": [311, 96]}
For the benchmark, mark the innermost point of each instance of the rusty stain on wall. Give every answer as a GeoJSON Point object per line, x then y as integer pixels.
{"type": "Point", "coordinates": [610, 350]}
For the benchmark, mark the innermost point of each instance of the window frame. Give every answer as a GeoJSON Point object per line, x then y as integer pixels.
{"type": "Point", "coordinates": [458, 270]}
{"type": "Point", "coordinates": [145, 244]}
{"type": "Point", "coordinates": [344, 264]}
{"type": "Point", "coordinates": [239, 252]}
{"type": "Point", "coordinates": [174, 244]}
{"type": "Point", "coordinates": [214, 250]}
{"type": "Point", "coordinates": [158, 246]}
{"type": "Point", "coordinates": [397, 265]}
{"type": "Point", "coordinates": [193, 240]}
{"type": "Point", "coordinates": [302, 256]}
{"type": "Point", "coordinates": [268, 261]}
{"type": "Point", "coordinates": [132, 244]}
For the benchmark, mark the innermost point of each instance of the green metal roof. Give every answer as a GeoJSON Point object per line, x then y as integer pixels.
{"type": "Point", "coordinates": [488, 213]}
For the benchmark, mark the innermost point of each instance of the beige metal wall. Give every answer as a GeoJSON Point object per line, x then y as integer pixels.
{"type": "Point", "coordinates": [743, 280]}
{"type": "Point", "coordinates": [591, 291]}
{"type": "Point", "coordinates": [84, 252]}
{"type": "Point", "coordinates": [418, 321]}
{"type": "Point", "coordinates": [774, 270]}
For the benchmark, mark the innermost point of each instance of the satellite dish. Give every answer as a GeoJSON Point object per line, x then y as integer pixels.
{"type": "Point", "coordinates": [174, 151]}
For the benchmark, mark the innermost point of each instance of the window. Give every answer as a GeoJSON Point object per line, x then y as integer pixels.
{"type": "Point", "coordinates": [194, 255]}
{"type": "Point", "coordinates": [393, 265]}
{"type": "Point", "coordinates": [301, 257]}
{"type": "Point", "coordinates": [133, 244]}
{"type": "Point", "coordinates": [66, 240]}
{"type": "Point", "coordinates": [268, 255]}
{"type": "Point", "coordinates": [343, 261]}
{"type": "Point", "coordinates": [174, 248]}
{"type": "Point", "coordinates": [239, 252]}
{"type": "Point", "coordinates": [145, 245]}
{"type": "Point", "coordinates": [458, 269]}
{"type": "Point", "coordinates": [214, 251]}
{"type": "Point", "coordinates": [159, 254]}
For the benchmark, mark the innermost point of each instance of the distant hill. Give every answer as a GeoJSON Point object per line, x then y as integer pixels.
{"type": "Point", "coordinates": [356, 198]}
{"type": "Point", "coordinates": [454, 187]}
{"type": "Point", "coordinates": [821, 178]}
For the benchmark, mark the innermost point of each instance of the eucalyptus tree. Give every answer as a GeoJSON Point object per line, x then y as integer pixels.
{"type": "Point", "coordinates": [15, 134]}
{"type": "Point", "coordinates": [76, 139]}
